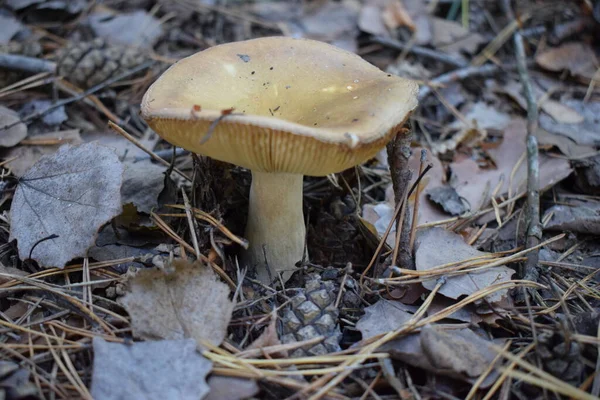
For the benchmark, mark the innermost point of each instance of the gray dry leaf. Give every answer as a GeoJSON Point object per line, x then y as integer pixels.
{"type": "Point", "coordinates": [188, 301]}
{"type": "Point", "coordinates": [13, 135]}
{"type": "Point", "coordinates": [565, 145]}
{"type": "Point", "coordinates": [231, 388]}
{"type": "Point", "coordinates": [383, 317]}
{"type": "Point", "coordinates": [583, 133]}
{"type": "Point", "coordinates": [452, 38]}
{"type": "Point", "coordinates": [71, 193]}
{"type": "Point", "coordinates": [458, 353]}
{"type": "Point", "coordinates": [142, 184]}
{"type": "Point", "coordinates": [447, 198]}
{"type": "Point", "coordinates": [136, 28]}
{"type": "Point", "coordinates": [23, 157]}
{"type": "Point", "coordinates": [437, 246]}
{"type": "Point", "coordinates": [162, 370]}
{"type": "Point", "coordinates": [579, 217]}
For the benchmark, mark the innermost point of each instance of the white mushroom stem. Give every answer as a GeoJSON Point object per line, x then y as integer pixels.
{"type": "Point", "coordinates": [275, 224]}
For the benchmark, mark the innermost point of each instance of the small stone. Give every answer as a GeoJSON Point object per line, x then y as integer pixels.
{"type": "Point", "coordinates": [308, 311]}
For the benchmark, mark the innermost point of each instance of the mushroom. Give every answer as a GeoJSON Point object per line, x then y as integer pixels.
{"type": "Point", "coordinates": [282, 108]}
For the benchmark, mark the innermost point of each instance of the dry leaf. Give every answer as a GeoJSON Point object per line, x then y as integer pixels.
{"type": "Point", "coordinates": [476, 184]}
{"type": "Point", "coordinates": [27, 155]}
{"type": "Point", "coordinates": [17, 131]}
{"type": "Point", "coordinates": [137, 28]}
{"type": "Point", "coordinates": [581, 216]}
{"type": "Point", "coordinates": [395, 15]}
{"type": "Point", "coordinates": [267, 338]}
{"type": "Point", "coordinates": [188, 301]}
{"type": "Point", "coordinates": [584, 133]}
{"type": "Point", "coordinates": [142, 184]}
{"type": "Point", "coordinates": [71, 194]}
{"type": "Point", "coordinates": [458, 353]}
{"type": "Point", "coordinates": [557, 110]}
{"type": "Point", "coordinates": [383, 317]}
{"type": "Point", "coordinates": [576, 57]}
{"type": "Point", "coordinates": [566, 146]}
{"type": "Point", "coordinates": [230, 388]}
{"type": "Point", "coordinates": [162, 370]}
{"type": "Point", "coordinates": [472, 183]}
{"type": "Point", "coordinates": [561, 113]}
{"type": "Point", "coordinates": [437, 246]}
{"type": "Point", "coordinates": [452, 38]}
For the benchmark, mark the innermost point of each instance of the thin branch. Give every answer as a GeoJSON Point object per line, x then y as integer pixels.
{"type": "Point", "coordinates": [534, 227]}
{"type": "Point", "coordinates": [27, 64]}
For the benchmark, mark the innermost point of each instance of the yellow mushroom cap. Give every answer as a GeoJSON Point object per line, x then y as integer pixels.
{"type": "Point", "coordinates": [292, 105]}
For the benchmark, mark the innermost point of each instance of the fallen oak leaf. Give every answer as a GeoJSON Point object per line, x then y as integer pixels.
{"type": "Point", "coordinates": [67, 197]}
{"type": "Point", "coordinates": [185, 300]}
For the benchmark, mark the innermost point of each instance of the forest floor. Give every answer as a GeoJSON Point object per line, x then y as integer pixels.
{"type": "Point", "coordinates": [461, 262]}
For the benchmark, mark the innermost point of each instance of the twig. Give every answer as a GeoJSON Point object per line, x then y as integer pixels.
{"type": "Point", "coordinates": [415, 217]}
{"type": "Point", "coordinates": [398, 151]}
{"type": "Point", "coordinates": [420, 51]}
{"type": "Point", "coordinates": [27, 64]}
{"type": "Point", "coordinates": [534, 227]}
{"type": "Point", "coordinates": [458, 75]}
{"type": "Point", "coordinates": [389, 228]}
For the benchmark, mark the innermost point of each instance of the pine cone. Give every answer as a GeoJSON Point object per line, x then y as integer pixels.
{"type": "Point", "coordinates": [312, 313]}
{"type": "Point", "coordinates": [87, 64]}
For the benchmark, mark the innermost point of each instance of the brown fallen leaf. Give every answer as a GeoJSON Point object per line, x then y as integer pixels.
{"type": "Point", "coordinates": [576, 57]}
{"type": "Point", "coordinates": [268, 337]}
{"type": "Point", "coordinates": [436, 246]}
{"type": "Point", "coordinates": [186, 300]}
{"type": "Point", "coordinates": [472, 183]}
{"type": "Point", "coordinates": [458, 353]}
